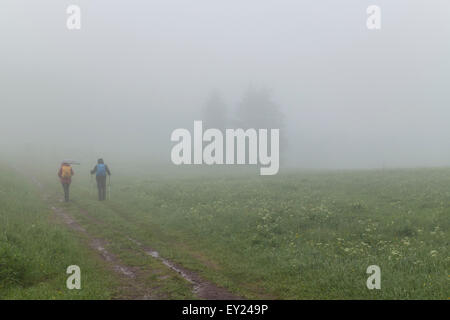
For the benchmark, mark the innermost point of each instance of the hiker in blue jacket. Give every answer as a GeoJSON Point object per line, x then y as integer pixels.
{"type": "Point", "coordinates": [101, 170]}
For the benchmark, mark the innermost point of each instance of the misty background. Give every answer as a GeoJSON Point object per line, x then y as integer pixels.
{"type": "Point", "coordinates": [344, 96]}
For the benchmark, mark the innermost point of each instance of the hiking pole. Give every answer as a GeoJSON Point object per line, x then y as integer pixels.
{"type": "Point", "coordinates": [90, 184]}
{"type": "Point", "coordinates": [109, 187]}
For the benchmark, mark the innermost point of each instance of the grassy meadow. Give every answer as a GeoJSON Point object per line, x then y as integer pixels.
{"type": "Point", "coordinates": [297, 235]}
{"type": "Point", "coordinates": [35, 251]}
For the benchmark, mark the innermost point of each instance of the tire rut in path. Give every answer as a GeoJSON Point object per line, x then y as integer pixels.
{"type": "Point", "coordinates": [201, 288]}
{"type": "Point", "coordinates": [133, 289]}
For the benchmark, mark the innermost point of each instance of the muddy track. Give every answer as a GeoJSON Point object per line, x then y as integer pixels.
{"type": "Point", "coordinates": [201, 288]}
{"type": "Point", "coordinates": [134, 289]}
{"type": "Point", "coordinates": [131, 287]}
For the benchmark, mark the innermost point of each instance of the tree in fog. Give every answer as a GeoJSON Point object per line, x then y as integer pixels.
{"type": "Point", "coordinates": [215, 112]}
{"type": "Point", "coordinates": [258, 110]}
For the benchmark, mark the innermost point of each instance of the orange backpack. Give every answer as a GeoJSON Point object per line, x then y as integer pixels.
{"type": "Point", "coordinates": [66, 171]}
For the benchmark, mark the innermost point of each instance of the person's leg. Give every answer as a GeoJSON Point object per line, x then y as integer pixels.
{"type": "Point", "coordinates": [66, 191]}
{"type": "Point", "coordinates": [68, 188]}
{"type": "Point", "coordinates": [104, 188]}
{"type": "Point", "coordinates": [99, 187]}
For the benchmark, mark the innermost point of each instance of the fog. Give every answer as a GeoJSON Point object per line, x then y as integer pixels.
{"type": "Point", "coordinates": [137, 70]}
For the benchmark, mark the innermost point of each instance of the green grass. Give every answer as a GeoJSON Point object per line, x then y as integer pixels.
{"type": "Point", "coordinates": [295, 236]}
{"type": "Point", "coordinates": [35, 251]}
{"type": "Point", "coordinates": [301, 235]}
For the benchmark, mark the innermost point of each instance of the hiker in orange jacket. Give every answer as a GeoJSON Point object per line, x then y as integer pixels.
{"type": "Point", "coordinates": [65, 174]}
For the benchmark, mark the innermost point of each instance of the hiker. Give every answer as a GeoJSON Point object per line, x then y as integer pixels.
{"type": "Point", "coordinates": [101, 170]}
{"type": "Point", "coordinates": [65, 174]}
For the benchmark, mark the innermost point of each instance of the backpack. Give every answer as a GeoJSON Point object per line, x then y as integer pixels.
{"type": "Point", "coordinates": [101, 170]}
{"type": "Point", "coordinates": [66, 171]}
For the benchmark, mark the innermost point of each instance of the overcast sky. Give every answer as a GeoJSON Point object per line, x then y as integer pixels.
{"type": "Point", "coordinates": [137, 70]}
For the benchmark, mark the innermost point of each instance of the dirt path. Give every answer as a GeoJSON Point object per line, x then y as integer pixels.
{"type": "Point", "coordinates": [131, 287]}
{"type": "Point", "coordinates": [132, 277]}
{"type": "Point", "coordinates": [201, 288]}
